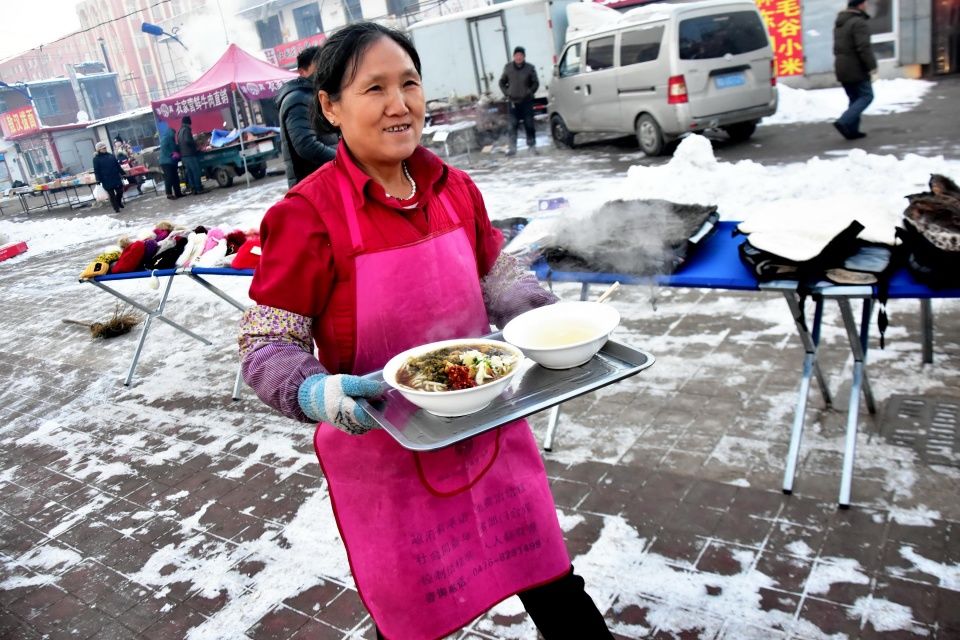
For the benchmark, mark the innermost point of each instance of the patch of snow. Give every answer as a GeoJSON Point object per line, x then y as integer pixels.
{"type": "Point", "coordinates": [829, 571]}
{"type": "Point", "coordinates": [919, 516]}
{"type": "Point", "coordinates": [947, 574]}
{"type": "Point", "coordinates": [885, 615]}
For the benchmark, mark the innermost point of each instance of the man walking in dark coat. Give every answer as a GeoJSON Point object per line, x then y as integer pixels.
{"type": "Point", "coordinates": [303, 150]}
{"type": "Point", "coordinates": [189, 155]}
{"type": "Point", "coordinates": [169, 159]}
{"type": "Point", "coordinates": [855, 65]}
{"type": "Point", "coordinates": [109, 174]}
{"type": "Point", "coordinates": [519, 83]}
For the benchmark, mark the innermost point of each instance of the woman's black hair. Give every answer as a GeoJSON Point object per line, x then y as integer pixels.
{"type": "Point", "coordinates": [339, 59]}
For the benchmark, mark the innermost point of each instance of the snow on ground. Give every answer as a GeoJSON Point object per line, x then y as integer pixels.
{"type": "Point", "coordinates": [818, 105]}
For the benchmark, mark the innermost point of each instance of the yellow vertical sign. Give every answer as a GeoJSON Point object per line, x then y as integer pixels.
{"type": "Point", "coordinates": [783, 21]}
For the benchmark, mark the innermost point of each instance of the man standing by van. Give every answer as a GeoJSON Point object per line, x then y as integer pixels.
{"type": "Point", "coordinates": [855, 65]}
{"type": "Point", "coordinates": [519, 83]}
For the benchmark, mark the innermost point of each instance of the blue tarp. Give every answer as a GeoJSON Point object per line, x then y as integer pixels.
{"type": "Point", "coordinates": [221, 137]}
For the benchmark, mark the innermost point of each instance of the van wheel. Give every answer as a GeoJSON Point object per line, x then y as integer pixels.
{"type": "Point", "coordinates": [741, 131]}
{"type": "Point", "coordinates": [561, 135]}
{"type": "Point", "coordinates": [649, 135]}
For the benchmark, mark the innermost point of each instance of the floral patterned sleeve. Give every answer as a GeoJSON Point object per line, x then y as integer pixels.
{"type": "Point", "coordinates": [276, 353]}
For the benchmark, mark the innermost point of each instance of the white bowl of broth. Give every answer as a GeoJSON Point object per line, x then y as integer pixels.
{"type": "Point", "coordinates": [562, 335]}
{"type": "Point", "coordinates": [453, 377]}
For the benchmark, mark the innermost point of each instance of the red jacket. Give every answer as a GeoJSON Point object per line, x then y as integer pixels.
{"type": "Point", "coordinates": [306, 266]}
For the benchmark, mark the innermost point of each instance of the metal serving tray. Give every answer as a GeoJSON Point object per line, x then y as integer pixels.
{"type": "Point", "coordinates": [533, 389]}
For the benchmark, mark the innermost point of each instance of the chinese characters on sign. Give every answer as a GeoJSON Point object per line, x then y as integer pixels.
{"type": "Point", "coordinates": [215, 99]}
{"type": "Point", "coordinates": [285, 55]}
{"type": "Point", "coordinates": [782, 18]}
{"type": "Point", "coordinates": [19, 122]}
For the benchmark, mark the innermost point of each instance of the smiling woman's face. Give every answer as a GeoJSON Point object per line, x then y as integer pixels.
{"type": "Point", "coordinates": [380, 113]}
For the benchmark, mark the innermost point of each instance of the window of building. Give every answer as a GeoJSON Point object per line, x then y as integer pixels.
{"type": "Point", "coordinates": [307, 19]}
{"type": "Point", "coordinates": [354, 12]}
{"type": "Point", "coordinates": [883, 32]}
{"type": "Point", "coordinates": [45, 102]}
{"type": "Point", "coordinates": [400, 7]}
{"type": "Point", "coordinates": [571, 62]}
{"type": "Point", "coordinates": [600, 54]}
{"type": "Point", "coordinates": [269, 31]}
{"type": "Point", "coordinates": [640, 45]}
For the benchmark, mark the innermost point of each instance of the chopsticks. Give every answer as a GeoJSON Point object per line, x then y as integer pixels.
{"type": "Point", "coordinates": [612, 289]}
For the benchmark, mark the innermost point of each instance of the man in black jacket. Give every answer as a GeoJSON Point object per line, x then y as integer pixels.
{"type": "Point", "coordinates": [109, 174]}
{"type": "Point", "coordinates": [189, 155]}
{"type": "Point", "coordinates": [519, 83]}
{"type": "Point", "coordinates": [303, 151]}
{"type": "Point", "coordinates": [855, 65]}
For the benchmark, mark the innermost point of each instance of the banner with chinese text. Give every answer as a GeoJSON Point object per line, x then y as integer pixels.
{"type": "Point", "coordinates": [19, 122]}
{"type": "Point", "coordinates": [214, 99]}
{"type": "Point", "coordinates": [782, 18]}
{"type": "Point", "coordinates": [285, 55]}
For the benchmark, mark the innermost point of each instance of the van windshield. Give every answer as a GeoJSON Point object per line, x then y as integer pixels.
{"type": "Point", "coordinates": [717, 35]}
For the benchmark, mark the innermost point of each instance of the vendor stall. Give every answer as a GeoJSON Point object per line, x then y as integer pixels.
{"type": "Point", "coordinates": [224, 93]}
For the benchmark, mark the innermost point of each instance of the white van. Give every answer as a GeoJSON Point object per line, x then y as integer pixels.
{"type": "Point", "coordinates": [662, 70]}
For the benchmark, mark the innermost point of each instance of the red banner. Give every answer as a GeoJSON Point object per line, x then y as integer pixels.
{"type": "Point", "coordinates": [285, 55]}
{"type": "Point", "coordinates": [18, 122]}
{"type": "Point", "coordinates": [782, 18]}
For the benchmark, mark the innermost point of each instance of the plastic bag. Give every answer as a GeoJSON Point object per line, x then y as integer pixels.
{"type": "Point", "coordinates": [100, 194]}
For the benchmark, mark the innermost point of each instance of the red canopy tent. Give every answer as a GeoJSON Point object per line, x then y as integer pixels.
{"type": "Point", "coordinates": [236, 70]}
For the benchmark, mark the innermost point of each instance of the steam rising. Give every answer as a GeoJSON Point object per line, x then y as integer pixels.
{"type": "Point", "coordinates": [640, 237]}
{"type": "Point", "coordinates": [203, 33]}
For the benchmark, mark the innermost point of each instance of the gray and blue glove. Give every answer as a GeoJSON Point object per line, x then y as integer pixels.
{"type": "Point", "coordinates": [330, 398]}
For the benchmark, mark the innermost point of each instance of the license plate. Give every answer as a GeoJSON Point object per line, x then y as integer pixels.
{"type": "Point", "coordinates": [730, 80]}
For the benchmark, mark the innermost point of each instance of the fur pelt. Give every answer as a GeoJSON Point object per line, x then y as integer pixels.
{"type": "Point", "coordinates": [935, 214]}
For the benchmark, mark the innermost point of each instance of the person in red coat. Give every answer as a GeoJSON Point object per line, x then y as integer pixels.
{"type": "Point", "coordinates": [382, 249]}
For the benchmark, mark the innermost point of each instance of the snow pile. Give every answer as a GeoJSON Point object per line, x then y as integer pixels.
{"type": "Point", "coordinates": [819, 105]}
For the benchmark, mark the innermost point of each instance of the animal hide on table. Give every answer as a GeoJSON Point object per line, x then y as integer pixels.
{"type": "Point", "coordinates": [637, 237]}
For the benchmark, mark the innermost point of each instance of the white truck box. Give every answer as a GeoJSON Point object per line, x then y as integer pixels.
{"type": "Point", "coordinates": [463, 54]}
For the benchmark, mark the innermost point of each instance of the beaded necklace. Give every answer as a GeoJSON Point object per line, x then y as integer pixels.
{"type": "Point", "coordinates": [413, 184]}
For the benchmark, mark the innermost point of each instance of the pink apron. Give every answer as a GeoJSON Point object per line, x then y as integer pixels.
{"type": "Point", "coordinates": [434, 539]}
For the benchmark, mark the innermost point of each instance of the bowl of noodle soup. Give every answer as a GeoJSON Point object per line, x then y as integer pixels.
{"type": "Point", "coordinates": [453, 377]}
{"type": "Point", "coordinates": [562, 335]}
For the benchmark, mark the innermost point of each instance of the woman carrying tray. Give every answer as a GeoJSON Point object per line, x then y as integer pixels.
{"type": "Point", "coordinates": [383, 249]}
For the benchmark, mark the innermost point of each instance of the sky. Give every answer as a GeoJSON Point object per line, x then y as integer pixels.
{"type": "Point", "coordinates": [36, 22]}
{"type": "Point", "coordinates": [619, 566]}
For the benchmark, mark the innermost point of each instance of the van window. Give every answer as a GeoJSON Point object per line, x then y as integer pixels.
{"type": "Point", "coordinates": [600, 54]}
{"type": "Point", "coordinates": [570, 64]}
{"type": "Point", "coordinates": [722, 33]}
{"type": "Point", "coordinates": [640, 45]}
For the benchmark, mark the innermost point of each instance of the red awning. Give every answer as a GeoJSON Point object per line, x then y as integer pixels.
{"type": "Point", "coordinates": [235, 70]}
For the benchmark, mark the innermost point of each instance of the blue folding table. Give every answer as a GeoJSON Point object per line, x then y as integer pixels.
{"type": "Point", "coordinates": [198, 275]}
{"type": "Point", "coordinates": [716, 264]}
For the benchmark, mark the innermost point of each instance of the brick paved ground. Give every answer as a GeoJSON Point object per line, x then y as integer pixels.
{"type": "Point", "coordinates": [165, 509]}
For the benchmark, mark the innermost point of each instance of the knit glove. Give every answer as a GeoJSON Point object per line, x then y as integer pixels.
{"type": "Point", "coordinates": [330, 398]}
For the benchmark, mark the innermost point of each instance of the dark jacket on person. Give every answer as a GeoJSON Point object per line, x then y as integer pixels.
{"type": "Point", "coordinates": [519, 83]}
{"type": "Point", "coordinates": [107, 170]}
{"type": "Point", "coordinates": [303, 150]}
{"type": "Point", "coordinates": [853, 56]}
{"type": "Point", "coordinates": [168, 144]}
{"type": "Point", "coordinates": [186, 142]}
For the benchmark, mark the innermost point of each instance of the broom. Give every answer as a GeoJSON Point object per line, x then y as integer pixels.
{"type": "Point", "coordinates": [121, 322]}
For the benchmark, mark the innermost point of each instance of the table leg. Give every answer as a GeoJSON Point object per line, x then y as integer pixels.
{"type": "Point", "coordinates": [236, 384]}
{"type": "Point", "coordinates": [810, 342]}
{"type": "Point", "coordinates": [584, 290]}
{"type": "Point", "coordinates": [858, 346]}
{"type": "Point", "coordinates": [151, 314]}
{"type": "Point", "coordinates": [552, 420]}
{"type": "Point", "coordinates": [926, 324]}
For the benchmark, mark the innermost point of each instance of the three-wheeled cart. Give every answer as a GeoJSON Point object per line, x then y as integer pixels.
{"type": "Point", "coordinates": [224, 163]}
